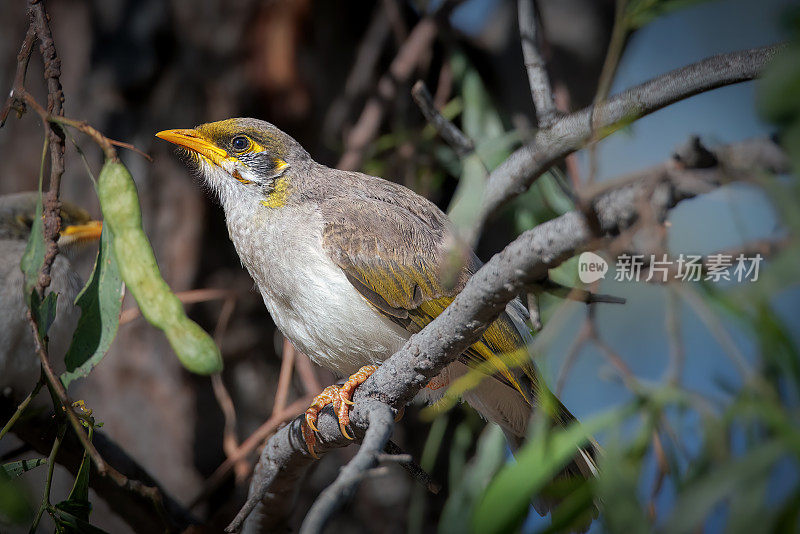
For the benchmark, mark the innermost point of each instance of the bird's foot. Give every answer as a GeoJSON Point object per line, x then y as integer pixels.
{"type": "Point", "coordinates": [329, 395]}
{"type": "Point", "coordinates": [346, 396]}
{"type": "Point", "coordinates": [342, 398]}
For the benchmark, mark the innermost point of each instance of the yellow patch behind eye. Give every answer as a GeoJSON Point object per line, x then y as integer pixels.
{"type": "Point", "coordinates": [280, 165]}
{"type": "Point", "coordinates": [279, 196]}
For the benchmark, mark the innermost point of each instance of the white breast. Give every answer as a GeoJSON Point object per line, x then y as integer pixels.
{"type": "Point", "coordinates": [308, 296]}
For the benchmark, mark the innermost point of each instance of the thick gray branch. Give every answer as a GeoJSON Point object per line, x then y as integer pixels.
{"type": "Point", "coordinates": [573, 131]}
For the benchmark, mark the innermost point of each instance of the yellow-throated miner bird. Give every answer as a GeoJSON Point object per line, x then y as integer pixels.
{"type": "Point", "coordinates": [350, 266]}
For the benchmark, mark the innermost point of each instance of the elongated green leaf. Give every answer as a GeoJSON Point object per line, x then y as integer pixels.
{"type": "Point", "coordinates": [33, 258]}
{"type": "Point", "coordinates": [100, 301]}
{"type": "Point", "coordinates": [77, 504]}
{"type": "Point", "coordinates": [68, 523]}
{"type": "Point", "coordinates": [489, 457]}
{"type": "Point", "coordinates": [15, 469]}
{"type": "Point", "coordinates": [641, 12]}
{"type": "Point", "coordinates": [482, 122]}
{"type": "Point", "coordinates": [506, 501]}
{"type": "Point", "coordinates": [466, 203]}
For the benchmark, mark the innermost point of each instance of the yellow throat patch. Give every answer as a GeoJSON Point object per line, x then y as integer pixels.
{"type": "Point", "coordinates": [279, 196]}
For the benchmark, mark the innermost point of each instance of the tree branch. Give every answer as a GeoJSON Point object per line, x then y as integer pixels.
{"type": "Point", "coordinates": [23, 58]}
{"type": "Point", "coordinates": [381, 423]}
{"type": "Point", "coordinates": [457, 139]}
{"type": "Point", "coordinates": [541, 90]}
{"type": "Point", "coordinates": [55, 101]}
{"type": "Point", "coordinates": [572, 131]}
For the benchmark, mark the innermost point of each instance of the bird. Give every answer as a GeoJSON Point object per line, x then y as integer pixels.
{"type": "Point", "coordinates": [19, 365]}
{"type": "Point", "coordinates": [350, 266]}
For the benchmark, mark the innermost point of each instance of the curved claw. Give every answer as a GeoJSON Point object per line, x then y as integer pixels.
{"type": "Point", "coordinates": [329, 395]}
{"type": "Point", "coordinates": [311, 424]}
{"type": "Point", "coordinates": [310, 440]}
{"type": "Point", "coordinates": [343, 430]}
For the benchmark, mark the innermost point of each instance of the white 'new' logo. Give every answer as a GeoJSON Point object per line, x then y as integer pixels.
{"type": "Point", "coordinates": [591, 267]}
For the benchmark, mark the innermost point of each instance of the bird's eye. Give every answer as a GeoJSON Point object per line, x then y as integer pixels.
{"type": "Point", "coordinates": [240, 143]}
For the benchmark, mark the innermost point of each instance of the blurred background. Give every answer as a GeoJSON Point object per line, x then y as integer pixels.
{"type": "Point", "coordinates": [337, 77]}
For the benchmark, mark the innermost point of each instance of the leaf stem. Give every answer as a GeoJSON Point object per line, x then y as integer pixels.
{"type": "Point", "coordinates": [51, 463]}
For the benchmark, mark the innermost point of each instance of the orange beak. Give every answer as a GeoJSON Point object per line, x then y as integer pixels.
{"type": "Point", "coordinates": [192, 140]}
{"type": "Point", "coordinates": [80, 233]}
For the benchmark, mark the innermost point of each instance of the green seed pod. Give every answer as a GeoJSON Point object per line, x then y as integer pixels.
{"type": "Point", "coordinates": [138, 268]}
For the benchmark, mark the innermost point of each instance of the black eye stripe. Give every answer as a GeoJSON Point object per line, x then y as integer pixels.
{"type": "Point", "coordinates": [260, 162]}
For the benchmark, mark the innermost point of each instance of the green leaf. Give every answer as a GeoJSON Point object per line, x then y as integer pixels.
{"type": "Point", "coordinates": [697, 500]}
{"type": "Point", "coordinates": [100, 301]}
{"type": "Point", "coordinates": [68, 523]}
{"type": "Point", "coordinates": [43, 311]}
{"type": "Point", "coordinates": [33, 257]}
{"type": "Point", "coordinates": [480, 121]}
{"type": "Point", "coordinates": [80, 489]}
{"type": "Point", "coordinates": [15, 469]}
{"type": "Point", "coordinates": [489, 457]}
{"type": "Point", "coordinates": [577, 508]}
{"type": "Point", "coordinates": [506, 501]}
{"type": "Point", "coordinates": [641, 12]}
{"type": "Point", "coordinates": [617, 489]}
{"type": "Point", "coordinates": [467, 200]}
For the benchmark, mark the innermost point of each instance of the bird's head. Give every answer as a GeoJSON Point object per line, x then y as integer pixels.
{"type": "Point", "coordinates": [238, 155]}
{"type": "Point", "coordinates": [18, 210]}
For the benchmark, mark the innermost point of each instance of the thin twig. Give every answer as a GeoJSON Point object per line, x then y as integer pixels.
{"type": "Point", "coordinates": [462, 144]}
{"type": "Point", "coordinates": [361, 73]}
{"type": "Point", "coordinates": [285, 377]}
{"type": "Point", "coordinates": [716, 328]}
{"type": "Point", "coordinates": [229, 442]}
{"type": "Point", "coordinates": [677, 354]}
{"type": "Point", "coordinates": [51, 464]}
{"type": "Point", "coordinates": [307, 374]}
{"type": "Point", "coordinates": [418, 43]}
{"type": "Point", "coordinates": [572, 353]}
{"type": "Point", "coordinates": [23, 58]}
{"type": "Point", "coordinates": [538, 79]}
{"type": "Point", "coordinates": [381, 423]}
{"type": "Point", "coordinates": [191, 296]}
{"type": "Point", "coordinates": [21, 408]}
{"type": "Point", "coordinates": [56, 385]}
{"type": "Point", "coordinates": [413, 50]}
{"type": "Point", "coordinates": [248, 446]}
